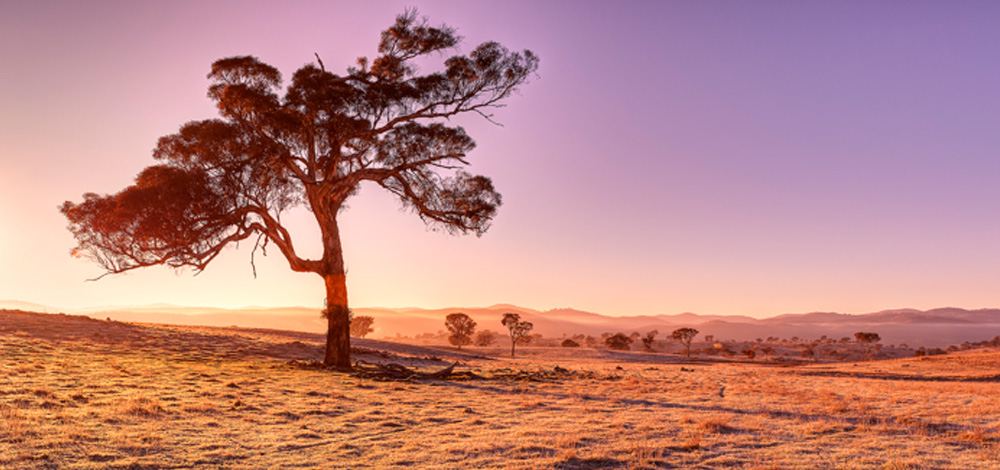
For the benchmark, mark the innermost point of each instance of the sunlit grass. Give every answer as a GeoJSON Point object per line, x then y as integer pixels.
{"type": "Point", "coordinates": [146, 396]}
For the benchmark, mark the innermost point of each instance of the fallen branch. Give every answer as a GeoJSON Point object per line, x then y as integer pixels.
{"type": "Point", "coordinates": [393, 371]}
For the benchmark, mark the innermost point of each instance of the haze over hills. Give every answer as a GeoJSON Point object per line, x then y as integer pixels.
{"type": "Point", "coordinates": [933, 328]}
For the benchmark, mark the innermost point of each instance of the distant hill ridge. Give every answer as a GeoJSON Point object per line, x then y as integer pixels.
{"type": "Point", "coordinates": [936, 327]}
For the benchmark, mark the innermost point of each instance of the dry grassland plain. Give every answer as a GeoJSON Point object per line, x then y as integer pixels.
{"type": "Point", "coordinates": [78, 393]}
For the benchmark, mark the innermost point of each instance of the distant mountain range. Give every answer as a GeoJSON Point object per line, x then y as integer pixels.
{"type": "Point", "coordinates": [933, 328]}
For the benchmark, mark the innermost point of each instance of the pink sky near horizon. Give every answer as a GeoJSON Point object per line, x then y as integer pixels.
{"type": "Point", "coordinates": [752, 158]}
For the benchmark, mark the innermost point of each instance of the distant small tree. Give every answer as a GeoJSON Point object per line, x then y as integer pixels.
{"type": "Point", "coordinates": [518, 329]}
{"type": "Point", "coordinates": [766, 351]}
{"type": "Point", "coordinates": [809, 351]}
{"type": "Point", "coordinates": [461, 327]}
{"type": "Point", "coordinates": [647, 341]}
{"type": "Point", "coordinates": [569, 343]}
{"type": "Point", "coordinates": [485, 338]}
{"type": "Point", "coordinates": [869, 340]}
{"type": "Point", "coordinates": [361, 325]}
{"type": "Point", "coordinates": [590, 341]}
{"type": "Point", "coordinates": [684, 336]}
{"type": "Point", "coordinates": [618, 342]}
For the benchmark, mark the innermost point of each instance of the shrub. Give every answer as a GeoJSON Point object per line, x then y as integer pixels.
{"type": "Point", "coordinates": [485, 338]}
{"type": "Point", "coordinates": [618, 342]}
{"type": "Point", "coordinates": [361, 325]}
{"type": "Point", "coordinates": [569, 343]}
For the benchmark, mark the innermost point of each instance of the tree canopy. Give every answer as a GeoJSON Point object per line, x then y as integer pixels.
{"type": "Point", "coordinates": [518, 329]}
{"type": "Point", "coordinates": [461, 327]}
{"type": "Point", "coordinates": [224, 180]}
{"type": "Point", "coordinates": [684, 336]}
{"type": "Point", "coordinates": [361, 325]}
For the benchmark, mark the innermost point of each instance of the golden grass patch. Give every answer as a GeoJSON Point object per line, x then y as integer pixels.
{"type": "Point", "coordinates": [152, 396]}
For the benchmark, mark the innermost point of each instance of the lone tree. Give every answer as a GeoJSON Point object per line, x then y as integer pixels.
{"type": "Point", "coordinates": [221, 181]}
{"type": "Point", "coordinates": [869, 340]}
{"type": "Point", "coordinates": [648, 340]}
{"type": "Point", "coordinates": [684, 336]}
{"type": "Point", "coordinates": [461, 327]}
{"type": "Point", "coordinates": [361, 326]}
{"type": "Point", "coordinates": [518, 329]}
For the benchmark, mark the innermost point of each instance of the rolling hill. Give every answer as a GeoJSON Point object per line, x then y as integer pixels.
{"type": "Point", "coordinates": [933, 328]}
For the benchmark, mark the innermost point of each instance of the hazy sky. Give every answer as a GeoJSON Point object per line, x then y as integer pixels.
{"type": "Point", "coordinates": [718, 157]}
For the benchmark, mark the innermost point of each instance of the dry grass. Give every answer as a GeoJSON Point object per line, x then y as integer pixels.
{"type": "Point", "coordinates": [83, 394]}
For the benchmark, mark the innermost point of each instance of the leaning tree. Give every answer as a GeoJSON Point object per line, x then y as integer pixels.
{"type": "Point", "coordinates": [221, 181]}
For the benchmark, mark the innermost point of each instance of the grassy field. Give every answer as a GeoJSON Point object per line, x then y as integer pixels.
{"type": "Point", "coordinates": [78, 393]}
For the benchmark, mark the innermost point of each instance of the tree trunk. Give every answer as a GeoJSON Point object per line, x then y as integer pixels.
{"type": "Point", "coordinates": [513, 342]}
{"type": "Point", "coordinates": [338, 331]}
{"type": "Point", "coordinates": [337, 312]}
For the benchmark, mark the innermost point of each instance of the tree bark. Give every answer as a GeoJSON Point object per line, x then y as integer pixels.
{"type": "Point", "coordinates": [338, 332]}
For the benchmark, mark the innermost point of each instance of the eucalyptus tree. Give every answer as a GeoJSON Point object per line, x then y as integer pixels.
{"type": "Point", "coordinates": [221, 181]}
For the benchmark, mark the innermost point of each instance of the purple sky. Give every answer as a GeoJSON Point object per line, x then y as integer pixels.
{"type": "Point", "coordinates": [715, 157]}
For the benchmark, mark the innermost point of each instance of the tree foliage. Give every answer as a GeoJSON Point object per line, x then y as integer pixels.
{"type": "Point", "coordinates": [485, 338]}
{"type": "Point", "coordinates": [618, 342]}
{"type": "Point", "coordinates": [570, 343]}
{"type": "Point", "coordinates": [224, 180]}
{"type": "Point", "coordinates": [518, 329]}
{"type": "Point", "coordinates": [868, 339]}
{"type": "Point", "coordinates": [361, 325]}
{"type": "Point", "coordinates": [461, 327]}
{"type": "Point", "coordinates": [684, 336]}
